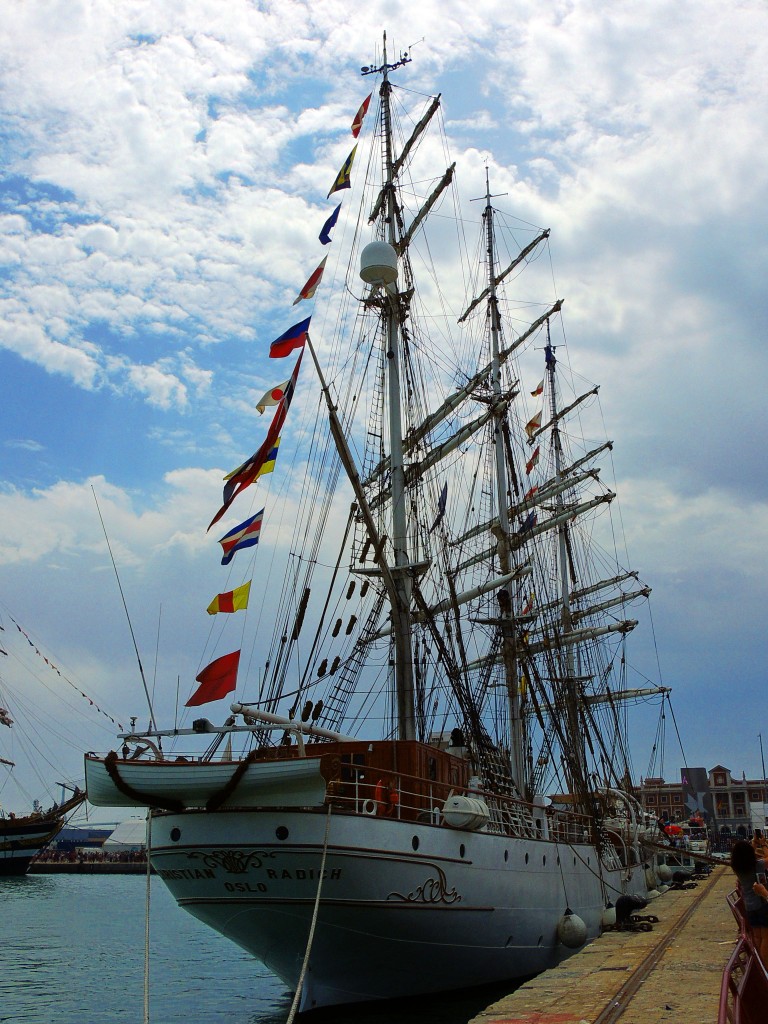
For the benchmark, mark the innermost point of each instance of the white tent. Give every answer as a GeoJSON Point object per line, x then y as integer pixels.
{"type": "Point", "coordinates": [130, 834]}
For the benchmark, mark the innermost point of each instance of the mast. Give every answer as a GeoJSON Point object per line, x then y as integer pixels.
{"type": "Point", "coordinates": [391, 317]}
{"type": "Point", "coordinates": [507, 621]}
{"type": "Point", "coordinates": [575, 755]}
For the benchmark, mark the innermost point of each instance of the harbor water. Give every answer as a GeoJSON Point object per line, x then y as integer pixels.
{"type": "Point", "coordinates": [72, 949]}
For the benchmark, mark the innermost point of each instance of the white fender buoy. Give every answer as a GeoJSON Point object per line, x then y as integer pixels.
{"type": "Point", "coordinates": [650, 877]}
{"type": "Point", "coordinates": [664, 871]}
{"type": "Point", "coordinates": [571, 930]}
{"type": "Point", "coordinates": [608, 920]}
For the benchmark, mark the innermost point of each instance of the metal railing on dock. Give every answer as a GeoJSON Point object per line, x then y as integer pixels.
{"type": "Point", "coordinates": [744, 990]}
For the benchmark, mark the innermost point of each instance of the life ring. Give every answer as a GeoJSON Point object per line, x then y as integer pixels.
{"type": "Point", "coordinates": [387, 798]}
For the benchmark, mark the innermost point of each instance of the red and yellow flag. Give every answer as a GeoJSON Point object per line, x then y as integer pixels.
{"type": "Point", "coordinates": [233, 601]}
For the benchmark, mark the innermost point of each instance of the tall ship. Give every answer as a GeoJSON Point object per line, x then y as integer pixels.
{"type": "Point", "coordinates": [24, 836]}
{"type": "Point", "coordinates": [425, 785]}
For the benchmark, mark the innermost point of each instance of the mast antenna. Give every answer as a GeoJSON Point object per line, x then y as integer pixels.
{"type": "Point", "coordinates": [128, 617]}
{"type": "Point", "coordinates": [373, 70]}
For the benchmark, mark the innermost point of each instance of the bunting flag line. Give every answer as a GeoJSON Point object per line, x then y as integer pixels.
{"type": "Point", "coordinates": [344, 177]}
{"type": "Point", "coordinates": [216, 680]}
{"type": "Point", "coordinates": [5, 718]}
{"type": "Point", "coordinates": [246, 535]}
{"type": "Point", "coordinates": [250, 470]}
{"type": "Point", "coordinates": [330, 224]}
{"type": "Point", "coordinates": [533, 425]}
{"type": "Point", "coordinates": [533, 460]}
{"type": "Point", "coordinates": [271, 397]}
{"type": "Point", "coordinates": [529, 523]}
{"type": "Point", "coordinates": [310, 287]}
{"type": "Point", "coordinates": [233, 601]}
{"type": "Point", "coordinates": [267, 467]}
{"type": "Point", "coordinates": [293, 338]}
{"type": "Point", "coordinates": [441, 503]}
{"type": "Point", "coordinates": [357, 124]}
{"type": "Point", "coordinates": [530, 493]}
{"type": "Point", "coordinates": [58, 671]}
{"type": "Point", "coordinates": [538, 389]}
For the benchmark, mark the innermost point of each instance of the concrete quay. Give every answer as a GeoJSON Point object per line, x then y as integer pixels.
{"type": "Point", "coordinates": [672, 973]}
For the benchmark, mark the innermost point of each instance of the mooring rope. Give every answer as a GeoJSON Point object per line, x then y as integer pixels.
{"type": "Point", "coordinates": [310, 937]}
{"type": "Point", "coordinates": [146, 920]}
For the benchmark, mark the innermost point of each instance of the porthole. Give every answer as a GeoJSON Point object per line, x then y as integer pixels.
{"type": "Point", "coordinates": [544, 861]}
{"type": "Point", "coordinates": [281, 832]}
{"type": "Point", "coordinates": [506, 856]}
{"type": "Point", "coordinates": [526, 858]}
{"type": "Point", "coordinates": [558, 862]}
{"type": "Point", "coordinates": [462, 851]}
{"type": "Point", "coordinates": [415, 842]}
{"type": "Point", "coordinates": [175, 834]}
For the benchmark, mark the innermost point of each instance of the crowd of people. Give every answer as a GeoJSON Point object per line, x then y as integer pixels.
{"type": "Point", "coordinates": [80, 856]}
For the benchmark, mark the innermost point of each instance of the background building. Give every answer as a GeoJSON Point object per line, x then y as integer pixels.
{"type": "Point", "coordinates": [725, 803]}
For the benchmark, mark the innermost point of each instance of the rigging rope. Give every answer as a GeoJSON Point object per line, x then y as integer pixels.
{"type": "Point", "coordinates": [310, 937]}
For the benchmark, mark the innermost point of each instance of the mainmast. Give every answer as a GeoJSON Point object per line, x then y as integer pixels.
{"type": "Point", "coordinates": [507, 621]}
{"type": "Point", "coordinates": [392, 314]}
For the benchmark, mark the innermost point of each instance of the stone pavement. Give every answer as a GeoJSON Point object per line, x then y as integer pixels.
{"type": "Point", "coordinates": [683, 984]}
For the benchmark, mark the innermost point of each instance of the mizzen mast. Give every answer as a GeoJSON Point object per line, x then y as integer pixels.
{"type": "Point", "coordinates": [502, 527]}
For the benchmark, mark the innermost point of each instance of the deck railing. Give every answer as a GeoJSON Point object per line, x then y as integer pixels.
{"type": "Point", "coordinates": [413, 799]}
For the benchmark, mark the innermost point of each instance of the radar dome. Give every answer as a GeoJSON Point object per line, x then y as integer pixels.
{"type": "Point", "coordinates": [378, 263]}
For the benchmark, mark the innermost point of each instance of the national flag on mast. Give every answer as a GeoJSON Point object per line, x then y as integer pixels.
{"type": "Point", "coordinates": [533, 424]}
{"type": "Point", "coordinates": [216, 680]}
{"type": "Point", "coordinates": [330, 224]}
{"type": "Point", "coordinates": [310, 287]}
{"type": "Point", "coordinates": [343, 178]}
{"type": "Point", "coordinates": [357, 124]}
{"type": "Point", "coordinates": [539, 388]}
{"type": "Point", "coordinates": [533, 460]}
{"type": "Point", "coordinates": [246, 535]}
{"type": "Point", "coordinates": [267, 467]}
{"type": "Point", "coordinates": [293, 338]}
{"type": "Point", "coordinates": [271, 397]}
{"type": "Point", "coordinates": [233, 601]}
{"type": "Point", "coordinates": [250, 470]}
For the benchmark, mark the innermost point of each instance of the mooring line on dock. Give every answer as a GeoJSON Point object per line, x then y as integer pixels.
{"type": "Point", "coordinates": [622, 999]}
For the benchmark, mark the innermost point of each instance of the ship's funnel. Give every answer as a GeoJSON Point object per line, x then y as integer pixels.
{"type": "Point", "coordinates": [378, 264]}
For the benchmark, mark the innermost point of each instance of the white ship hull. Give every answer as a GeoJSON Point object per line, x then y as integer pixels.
{"type": "Point", "coordinates": [449, 909]}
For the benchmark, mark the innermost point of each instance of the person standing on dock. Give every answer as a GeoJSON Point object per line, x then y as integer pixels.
{"type": "Point", "coordinates": [760, 844]}
{"type": "Point", "coordinates": [750, 872]}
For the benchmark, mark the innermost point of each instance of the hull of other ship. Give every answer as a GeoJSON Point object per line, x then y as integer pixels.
{"type": "Point", "coordinates": [451, 909]}
{"type": "Point", "coordinates": [20, 842]}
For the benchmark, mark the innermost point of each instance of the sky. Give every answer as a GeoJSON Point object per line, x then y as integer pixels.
{"type": "Point", "coordinates": [164, 169]}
